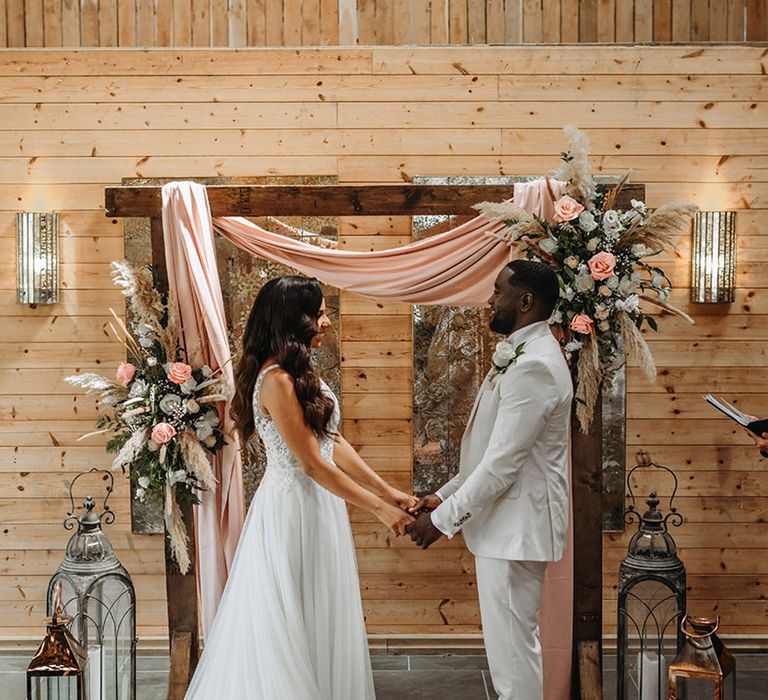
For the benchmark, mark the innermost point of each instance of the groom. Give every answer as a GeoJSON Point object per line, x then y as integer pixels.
{"type": "Point", "coordinates": [510, 497]}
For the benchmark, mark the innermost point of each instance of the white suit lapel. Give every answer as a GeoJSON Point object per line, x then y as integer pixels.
{"type": "Point", "coordinates": [483, 388]}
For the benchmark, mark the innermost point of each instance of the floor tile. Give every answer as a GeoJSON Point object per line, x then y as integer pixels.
{"type": "Point", "coordinates": [429, 685]}
{"type": "Point", "coordinates": [449, 662]}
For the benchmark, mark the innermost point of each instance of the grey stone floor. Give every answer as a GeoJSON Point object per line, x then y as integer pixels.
{"type": "Point", "coordinates": [426, 677]}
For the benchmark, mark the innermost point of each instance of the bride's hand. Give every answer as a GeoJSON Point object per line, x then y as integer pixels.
{"type": "Point", "coordinates": [394, 518]}
{"type": "Point", "coordinates": [398, 498]}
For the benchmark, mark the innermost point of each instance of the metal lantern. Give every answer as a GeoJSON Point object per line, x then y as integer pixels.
{"type": "Point", "coordinates": [57, 672]}
{"type": "Point", "coordinates": [37, 257]}
{"type": "Point", "coordinates": [651, 599]}
{"type": "Point", "coordinates": [704, 669]}
{"type": "Point", "coordinates": [99, 597]}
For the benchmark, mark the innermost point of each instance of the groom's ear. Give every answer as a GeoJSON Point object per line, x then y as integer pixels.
{"type": "Point", "coordinates": [526, 302]}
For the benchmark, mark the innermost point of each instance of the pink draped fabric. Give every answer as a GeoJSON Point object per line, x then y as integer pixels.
{"type": "Point", "coordinates": [194, 280]}
{"type": "Point", "coordinates": [457, 267]}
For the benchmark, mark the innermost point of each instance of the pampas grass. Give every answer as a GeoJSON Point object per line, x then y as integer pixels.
{"type": "Point", "coordinates": [177, 530]}
{"type": "Point", "coordinates": [196, 459]}
{"type": "Point", "coordinates": [635, 346]}
{"type": "Point", "coordinates": [575, 167]}
{"type": "Point", "coordinates": [139, 289]}
{"type": "Point", "coordinates": [589, 376]}
{"type": "Point", "coordinates": [667, 307]}
{"type": "Point", "coordinates": [518, 223]}
{"type": "Point", "coordinates": [131, 448]}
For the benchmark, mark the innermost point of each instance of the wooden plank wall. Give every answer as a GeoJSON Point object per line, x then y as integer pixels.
{"type": "Point", "coordinates": [132, 23]}
{"type": "Point", "coordinates": [691, 123]}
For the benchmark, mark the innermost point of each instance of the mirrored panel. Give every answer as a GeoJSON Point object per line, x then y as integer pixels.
{"type": "Point", "coordinates": [242, 275]}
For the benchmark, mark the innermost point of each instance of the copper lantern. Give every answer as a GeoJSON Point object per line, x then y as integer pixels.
{"type": "Point", "coordinates": [704, 669]}
{"type": "Point", "coordinates": [57, 672]}
{"type": "Point", "coordinates": [651, 598]}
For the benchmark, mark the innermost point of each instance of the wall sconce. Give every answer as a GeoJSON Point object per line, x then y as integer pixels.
{"type": "Point", "coordinates": [37, 257]}
{"type": "Point", "coordinates": [713, 259]}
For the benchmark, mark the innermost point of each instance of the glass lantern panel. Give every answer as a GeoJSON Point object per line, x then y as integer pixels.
{"type": "Point", "coordinates": [651, 614]}
{"type": "Point", "coordinates": [110, 614]}
{"type": "Point", "coordinates": [695, 689]}
{"type": "Point", "coordinates": [53, 688]}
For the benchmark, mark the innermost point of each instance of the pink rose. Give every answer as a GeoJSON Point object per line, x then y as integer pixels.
{"type": "Point", "coordinates": [163, 432]}
{"type": "Point", "coordinates": [582, 324]}
{"type": "Point", "coordinates": [602, 265]}
{"type": "Point", "coordinates": [179, 373]}
{"type": "Point", "coordinates": [567, 208]}
{"type": "Point", "coordinates": [125, 372]}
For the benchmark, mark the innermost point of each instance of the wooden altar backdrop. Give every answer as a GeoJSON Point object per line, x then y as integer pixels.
{"type": "Point", "coordinates": [689, 120]}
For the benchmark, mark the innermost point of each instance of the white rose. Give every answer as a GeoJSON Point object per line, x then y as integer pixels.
{"type": "Point", "coordinates": [637, 204]}
{"type": "Point", "coordinates": [211, 418]}
{"type": "Point", "coordinates": [602, 312]}
{"type": "Point", "coordinates": [556, 317]}
{"type": "Point", "coordinates": [572, 261]}
{"type": "Point", "coordinates": [604, 290]}
{"type": "Point", "coordinates": [151, 361]}
{"type": "Point", "coordinates": [192, 406]}
{"type": "Point", "coordinates": [611, 221]}
{"type": "Point", "coordinates": [592, 244]}
{"type": "Point", "coordinates": [145, 341]}
{"type": "Point", "coordinates": [587, 221]}
{"type": "Point", "coordinates": [177, 476]}
{"type": "Point", "coordinates": [604, 326]}
{"type": "Point", "coordinates": [203, 430]}
{"type": "Point", "coordinates": [638, 250]}
{"type": "Point", "coordinates": [630, 304]}
{"type": "Point", "coordinates": [548, 245]}
{"type": "Point", "coordinates": [169, 403]}
{"type": "Point", "coordinates": [613, 282]}
{"type": "Point", "coordinates": [584, 283]}
{"type": "Point", "coordinates": [138, 387]}
{"type": "Point", "coordinates": [567, 293]}
{"type": "Point", "coordinates": [140, 494]}
{"type": "Point", "coordinates": [503, 354]}
{"type": "Point", "coordinates": [144, 482]}
{"type": "Point", "coordinates": [627, 286]}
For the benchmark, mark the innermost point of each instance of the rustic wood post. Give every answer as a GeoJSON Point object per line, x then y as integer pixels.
{"type": "Point", "coordinates": [181, 589]}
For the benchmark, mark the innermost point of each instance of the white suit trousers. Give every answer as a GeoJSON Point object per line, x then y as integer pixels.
{"type": "Point", "coordinates": [510, 596]}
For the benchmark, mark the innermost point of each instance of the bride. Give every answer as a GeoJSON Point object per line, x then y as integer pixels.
{"type": "Point", "coordinates": [290, 622]}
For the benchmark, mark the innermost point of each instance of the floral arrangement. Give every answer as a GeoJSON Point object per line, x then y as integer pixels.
{"type": "Point", "coordinates": [162, 412]}
{"type": "Point", "coordinates": [505, 355]}
{"type": "Point", "coordinates": [600, 254]}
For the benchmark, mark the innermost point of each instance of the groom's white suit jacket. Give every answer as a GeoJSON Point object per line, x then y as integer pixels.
{"type": "Point", "coordinates": [510, 496]}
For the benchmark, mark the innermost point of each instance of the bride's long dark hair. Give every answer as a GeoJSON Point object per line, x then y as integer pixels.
{"type": "Point", "coordinates": [282, 323]}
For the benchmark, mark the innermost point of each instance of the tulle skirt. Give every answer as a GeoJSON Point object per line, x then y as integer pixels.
{"type": "Point", "coordinates": [290, 624]}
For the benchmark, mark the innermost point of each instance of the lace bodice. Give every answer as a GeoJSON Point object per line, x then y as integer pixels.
{"type": "Point", "coordinates": [283, 469]}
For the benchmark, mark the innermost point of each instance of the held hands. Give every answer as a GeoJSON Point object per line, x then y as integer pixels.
{"type": "Point", "coordinates": [423, 531]}
{"type": "Point", "coordinates": [396, 519]}
{"type": "Point", "coordinates": [402, 500]}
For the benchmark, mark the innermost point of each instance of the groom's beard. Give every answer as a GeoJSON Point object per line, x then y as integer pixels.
{"type": "Point", "coordinates": [503, 322]}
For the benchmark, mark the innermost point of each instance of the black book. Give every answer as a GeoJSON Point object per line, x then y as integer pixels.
{"type": "Point", "coordinates": [758, 427]}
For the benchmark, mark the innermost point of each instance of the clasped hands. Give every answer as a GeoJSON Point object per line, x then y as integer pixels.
{"type": "Point", "coordinates": [413, 517]}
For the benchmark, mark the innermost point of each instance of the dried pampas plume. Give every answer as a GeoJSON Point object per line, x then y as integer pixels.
{"type": "Point", "coordinates": [668, 307]}
{"type": "Point", "coordinates": [138, 287]}
{"type": "Point", "coordinates": [588, 384]}
{"type": "Point", "coordinates": [575, 170]}
{"type": "Point", "coordinates": [177, 530]}
{"type": "Point", "coordinates": [517, 222]}
{"type": "Point", "coordinates": [636, 347]}
{"type": "Point", "coordinates": [170, 335]}
{"type": "Point", "coordinates": [131, 448]}
{"type": "Point", "coordinates": [196, 459]}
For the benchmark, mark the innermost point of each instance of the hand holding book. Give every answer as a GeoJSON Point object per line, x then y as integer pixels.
{"type": "Point", "coordinates": [756, 428]}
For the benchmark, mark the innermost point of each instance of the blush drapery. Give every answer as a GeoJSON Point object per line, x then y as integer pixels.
{"type": "Point", "coordinates": [457, 267]}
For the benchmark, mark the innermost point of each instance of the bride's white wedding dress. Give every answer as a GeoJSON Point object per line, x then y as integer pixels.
{"type": "Point", "coordinates": [290, 623]}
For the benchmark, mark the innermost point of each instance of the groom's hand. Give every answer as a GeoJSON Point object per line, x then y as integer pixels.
{"type": "Point", "coordinates": [423, 531]}
{"type": "Point", "coordinates": [426, 504]}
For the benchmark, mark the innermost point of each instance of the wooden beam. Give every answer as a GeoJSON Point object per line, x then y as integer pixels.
{"type": "Point", "coordinates": [324, 200]}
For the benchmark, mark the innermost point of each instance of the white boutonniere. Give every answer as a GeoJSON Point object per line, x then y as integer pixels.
{"type": "Point", "coordinates": [506, 355]}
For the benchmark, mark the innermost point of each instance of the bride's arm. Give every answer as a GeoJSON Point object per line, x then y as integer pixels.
{"type": "Point", "coordinates": [355, 466]}
{"type": "Point", "coordinates": [278, 396]}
